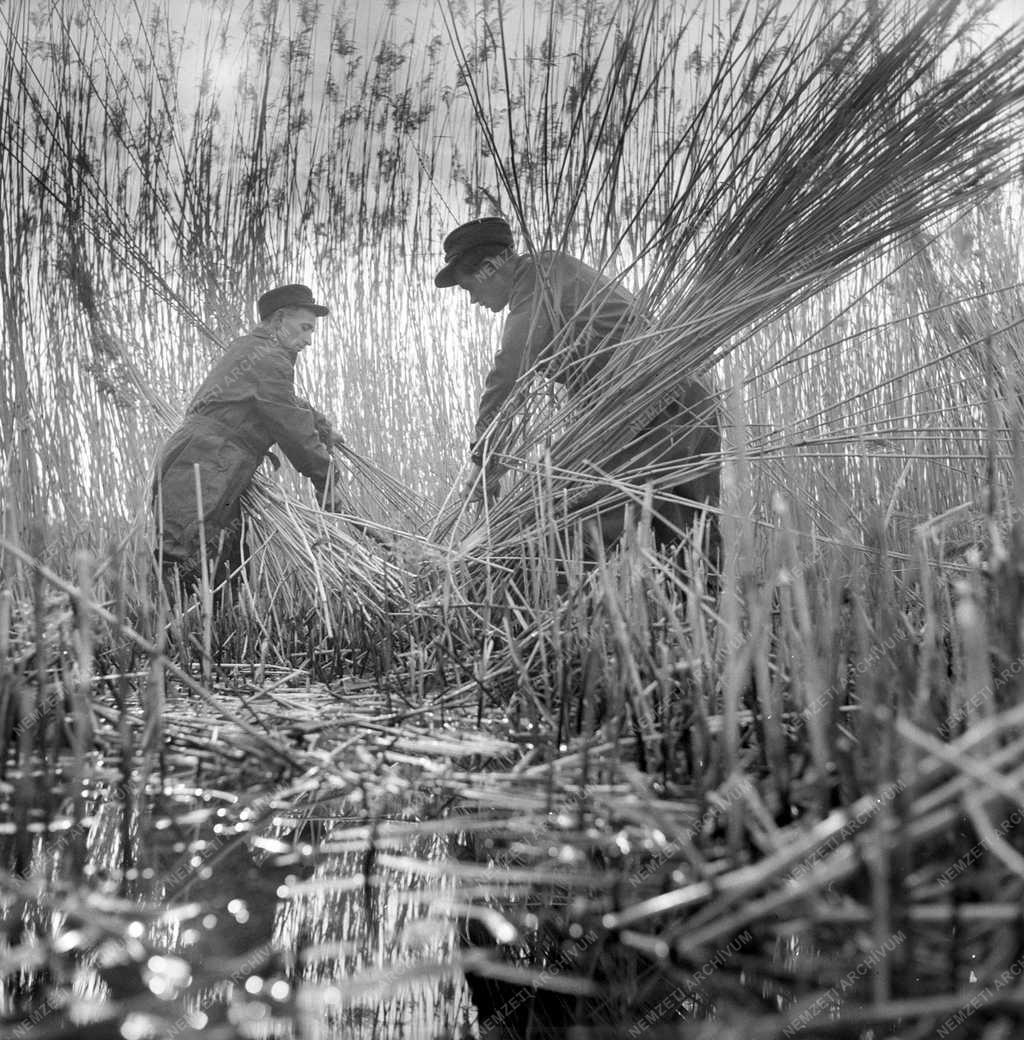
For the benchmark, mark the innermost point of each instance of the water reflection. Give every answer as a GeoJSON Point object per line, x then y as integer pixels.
{"type": "Point", "coordinates": [216, 920]}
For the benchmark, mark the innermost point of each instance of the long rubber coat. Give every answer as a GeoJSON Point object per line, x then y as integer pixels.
{"type": "Point", "coordinates": [244, 406]}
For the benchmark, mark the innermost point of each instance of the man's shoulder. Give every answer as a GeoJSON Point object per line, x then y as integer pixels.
{"type": "Point", "coordinates": [561, 268]}
{"type": "Point", "coordinates": [557, 260]}
{"type": "Point", "coordinates": [550, 266]}
{"type": "Point", "coordinates": [259, 348]}
{"type": "Point", "coordinates": [257, 336]}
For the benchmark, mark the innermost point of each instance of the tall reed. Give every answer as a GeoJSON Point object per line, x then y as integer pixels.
{"type": "Point", "coordinates": [161, 228]}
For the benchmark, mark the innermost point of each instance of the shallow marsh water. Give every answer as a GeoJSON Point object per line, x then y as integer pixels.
{"type": "Point", "coordinates": [220, 918]}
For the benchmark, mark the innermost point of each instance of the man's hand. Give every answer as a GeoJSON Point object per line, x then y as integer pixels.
{"type": "Point", "coordinates": [333, 499]}
{"type": "Point", "coordinates": [329, 437]}
{"type": "Point", "coordinates": [473, 486]}
{"type": "Point", "coordinates": [480, 488]}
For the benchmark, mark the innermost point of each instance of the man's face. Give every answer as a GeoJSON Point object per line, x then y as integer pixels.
{"type": "Point", "coordinates": [487, 287]}
{"type": "Point", "coordinates": [296, 329]}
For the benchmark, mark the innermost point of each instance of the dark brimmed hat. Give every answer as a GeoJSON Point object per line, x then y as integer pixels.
{"type": "Point", "coordinates": [487, 231]}
{"type": "Point", "coordinates": [288, 296]}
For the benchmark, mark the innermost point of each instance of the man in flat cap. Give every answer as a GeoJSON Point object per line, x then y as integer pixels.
{"type": "Point", "coordinates": [565, 320]}
{"type": "Point", "coordinates": [245, 405]}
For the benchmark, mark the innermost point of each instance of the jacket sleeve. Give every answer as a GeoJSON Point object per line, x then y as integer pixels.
{"type": "Point", "coordinates": [324, 427]}
{"type": "Point", "coordinates": [290, 421]}
{"type": "Point", "coordinates": [528, 331]}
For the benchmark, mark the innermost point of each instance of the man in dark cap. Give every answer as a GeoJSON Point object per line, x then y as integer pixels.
{"type": "Point", "coordinates": [246, 404]}
{"type": "Point", "coordinates": [565, 321]}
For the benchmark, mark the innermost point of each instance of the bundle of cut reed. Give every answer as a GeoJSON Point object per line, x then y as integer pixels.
{"type": "Point", "coordinates": [373, 494]}
{"type": "Point", "coordinates": [304, 555]}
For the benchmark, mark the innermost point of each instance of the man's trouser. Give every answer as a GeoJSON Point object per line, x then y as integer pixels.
{"type": "Point", "coordinates": [684, 439]}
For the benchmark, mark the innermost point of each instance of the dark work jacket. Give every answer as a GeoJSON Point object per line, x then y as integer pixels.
{"type": "Point", "coordinates": [567, 318]}
{"type": "Point", "coordinates": [246, 404]}
{"type": "Point", "coordinates": [558, 306]}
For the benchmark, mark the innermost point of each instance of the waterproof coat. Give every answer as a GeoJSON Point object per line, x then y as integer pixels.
{"type": "Point", "coordinates": [245, 405]}
{"type": "Point", "coordinates": [565, 320]}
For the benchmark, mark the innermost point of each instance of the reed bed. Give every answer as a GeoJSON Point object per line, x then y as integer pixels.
{"type": "Point", "coordinates": [407, 352]}
{"type": "Point", "coordinates": [636, 870]}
